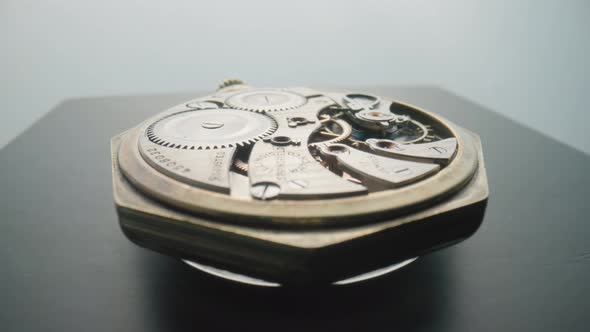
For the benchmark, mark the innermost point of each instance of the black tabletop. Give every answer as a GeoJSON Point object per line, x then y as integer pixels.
{"type": "Point", "coordinates": [66, 266]}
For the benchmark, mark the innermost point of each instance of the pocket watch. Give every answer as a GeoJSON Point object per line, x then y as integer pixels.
{"type": "Point", "coordinates": [297, 186]}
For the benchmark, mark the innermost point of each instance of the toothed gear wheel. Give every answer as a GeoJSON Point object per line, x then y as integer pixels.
{"type": "Point", "coordinates": [266, 100]}
{"type": "Point", "coordinates": [210, 129]}
{"type": "Point", "coordinates": [241, 165]}
{"type": "Point", "coordinates": [230, 82]}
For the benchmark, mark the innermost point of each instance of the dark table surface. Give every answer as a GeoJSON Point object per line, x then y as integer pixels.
{"type": "Point", "coordinates": [66, 266]}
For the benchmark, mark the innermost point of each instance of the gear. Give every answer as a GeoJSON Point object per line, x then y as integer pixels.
{"type": "Point", "coordinates": [230, 82]}
{"type": "Point", "coordinates": [265, 100]}
{"type": "Point", "coordinates": [210, 129]}
{"type": "Point", "coordinates": [241, 165]}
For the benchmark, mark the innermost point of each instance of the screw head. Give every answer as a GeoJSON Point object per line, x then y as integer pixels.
{"type": "Point", "coordinates": [212, 125]}
{"type": "Point", "coordinates": [265, 190]}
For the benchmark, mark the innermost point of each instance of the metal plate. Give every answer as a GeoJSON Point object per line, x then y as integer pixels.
{"type": "Point", "coordinates": [290, 181]}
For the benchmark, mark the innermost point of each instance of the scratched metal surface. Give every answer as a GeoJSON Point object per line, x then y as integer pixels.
{"type": "Point", "coordinates": [67, 266]}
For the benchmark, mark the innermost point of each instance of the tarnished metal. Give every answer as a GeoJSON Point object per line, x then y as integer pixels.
{"type": "Point", "coordinates": [376, 171]}
{"type": "Point", "coordinates": [440, 151]}
{"type": "Point", "coordinates": [297, 186]}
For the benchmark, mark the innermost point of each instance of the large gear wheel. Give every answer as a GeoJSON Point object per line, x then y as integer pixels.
{"type": "Point", "coordinates": [210, 129]}
{"type": "Point", "coordinates": [266, 100]}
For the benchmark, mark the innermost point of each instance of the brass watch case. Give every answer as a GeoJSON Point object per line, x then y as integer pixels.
{"type": "Point", "coordinates": [298, 242]}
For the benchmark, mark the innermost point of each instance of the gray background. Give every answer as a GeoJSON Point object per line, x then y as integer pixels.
{"type": "Point", "coordinates": [526, 59]}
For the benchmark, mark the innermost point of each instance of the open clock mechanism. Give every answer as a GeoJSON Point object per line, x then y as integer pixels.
{"type": "Point", "coordinates": [297, 186]}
